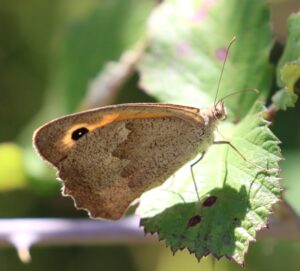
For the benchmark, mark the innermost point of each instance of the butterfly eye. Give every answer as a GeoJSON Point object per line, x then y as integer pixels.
{"type": "Point", "coordinates": [218, 115]}
{"type": "Point", "coordinates": [78, 133]}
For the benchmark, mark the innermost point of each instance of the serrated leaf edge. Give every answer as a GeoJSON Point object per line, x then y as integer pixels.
{"type": "Point", "coordinates": [265, 225]}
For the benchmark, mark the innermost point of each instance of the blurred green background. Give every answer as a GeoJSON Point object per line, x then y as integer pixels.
{"type": "Point", "coordinates": [49, 53]}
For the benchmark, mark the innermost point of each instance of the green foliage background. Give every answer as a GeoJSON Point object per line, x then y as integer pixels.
{"type": "Point", "coordinates": [49, 52]}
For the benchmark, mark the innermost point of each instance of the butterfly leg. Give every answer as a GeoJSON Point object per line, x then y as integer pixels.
{"type": "Point", "coordinates": [240, 154]}
{"type": "Point", "coordinates": [232, 146]}
{"type": "Point", "coordinates": [193, 176]}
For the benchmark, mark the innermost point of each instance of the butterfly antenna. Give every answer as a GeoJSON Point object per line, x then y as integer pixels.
{"type": "Point", "coordinates": [223, 66]}
{"type": "Point", "coordinates": [240, 91]}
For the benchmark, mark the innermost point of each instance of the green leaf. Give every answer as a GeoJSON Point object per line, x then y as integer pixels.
{"type": "Point", "coordinates": [187, 46]}
{"type": "Point", "coordinates": [292, 47]}
{"type": "Point", "coordinates": [244, 195]}
{"type": "Point", "coordinates": [90, 43]}
{"type": "Point", "coordinates": [290, 76]}
{"type": "Point", "coordinates": [288, 68]}
{"type": "Point", "coordinates": [284, 99]}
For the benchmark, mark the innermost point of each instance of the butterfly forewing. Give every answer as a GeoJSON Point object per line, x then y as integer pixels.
{"type": "Point", "coordinates": [114, 163]}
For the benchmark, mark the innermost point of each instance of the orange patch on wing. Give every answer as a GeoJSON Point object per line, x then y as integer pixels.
{"type": "Point", "coordinates": [110, 118]}
{"type": "Point", "coordinates": [151, 115]}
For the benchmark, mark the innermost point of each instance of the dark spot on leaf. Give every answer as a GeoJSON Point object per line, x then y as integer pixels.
{"type": "Point", "coordinates": [210, 201]}
{"type": "Point", "coordinates": [297, 86]}
{"type": "Point", "coordinates": [194, 221]}
{"type": "Point", "coordinates": [78, 133]}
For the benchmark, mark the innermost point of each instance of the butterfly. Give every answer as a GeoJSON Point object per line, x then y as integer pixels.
{"type": "Point", "coordinates": [109, 156]}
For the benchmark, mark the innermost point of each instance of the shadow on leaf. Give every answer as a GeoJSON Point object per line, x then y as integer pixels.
{"type": "Point", "coordinates": [210, 228]}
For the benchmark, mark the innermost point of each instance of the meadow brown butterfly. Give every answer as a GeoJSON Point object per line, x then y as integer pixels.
{"type": "Point", "coordinates": [107, 157]}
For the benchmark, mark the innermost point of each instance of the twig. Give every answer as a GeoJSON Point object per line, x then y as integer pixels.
{"type": "Point", "coordinates": [22, 233]}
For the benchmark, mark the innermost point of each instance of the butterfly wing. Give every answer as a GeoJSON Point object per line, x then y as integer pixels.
{"type": "Point", "coordinates": [113, 164]}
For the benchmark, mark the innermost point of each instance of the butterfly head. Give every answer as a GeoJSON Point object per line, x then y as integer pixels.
{"type": "Point", "coordinates": [219, 111]}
